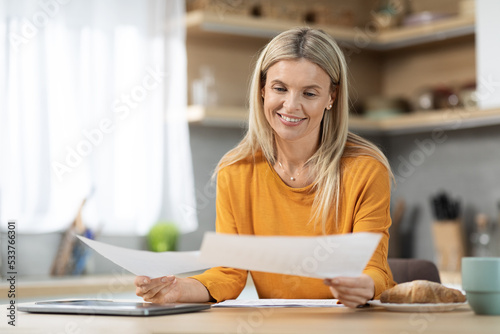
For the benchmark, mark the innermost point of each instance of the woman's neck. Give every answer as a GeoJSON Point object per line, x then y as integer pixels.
{"type": "Point", "coordinates": [293, 156]}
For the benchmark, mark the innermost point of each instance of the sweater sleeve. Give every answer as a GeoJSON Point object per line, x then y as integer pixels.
{"type": "Point", "coordinates": [221, 282]}
{"type": "Point", "coordinates": [372, 214]}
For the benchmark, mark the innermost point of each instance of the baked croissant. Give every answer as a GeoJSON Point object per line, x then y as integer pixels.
{"type": "Point", "coordinates": [421, 291]}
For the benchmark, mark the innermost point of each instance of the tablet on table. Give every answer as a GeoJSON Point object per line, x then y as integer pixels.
{"type": "Point", "coordinates": [108, 307]}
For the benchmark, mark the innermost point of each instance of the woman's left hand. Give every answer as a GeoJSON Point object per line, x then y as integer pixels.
{"type": "Point", "coordinates": [352, 291]}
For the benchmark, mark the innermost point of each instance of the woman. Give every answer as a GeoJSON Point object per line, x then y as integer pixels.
{"type": "Point", "coordinates": [297, 171]}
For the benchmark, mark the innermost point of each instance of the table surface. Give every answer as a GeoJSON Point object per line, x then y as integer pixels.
{"type": "Point", "coordinates": [261, 320]}
{"type": "Point", "coordinates": [230, 320]}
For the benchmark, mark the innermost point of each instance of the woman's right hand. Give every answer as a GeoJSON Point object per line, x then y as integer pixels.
{"type": "Point", "coordinates": [170, 289]}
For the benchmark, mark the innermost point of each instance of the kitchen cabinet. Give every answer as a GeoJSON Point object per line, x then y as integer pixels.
{"type": "Point", "coordinates": [395, 62]}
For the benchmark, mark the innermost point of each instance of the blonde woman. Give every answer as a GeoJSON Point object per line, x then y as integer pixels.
{"type": "Point", "coordinates": [298, 172]}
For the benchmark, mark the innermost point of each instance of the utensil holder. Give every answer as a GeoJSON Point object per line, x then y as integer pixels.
{"type": "Point", "coordinates": [449, 245]}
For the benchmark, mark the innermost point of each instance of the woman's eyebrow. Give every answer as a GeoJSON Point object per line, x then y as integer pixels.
{"type": "Point", "coordinates": [278, 82]}
{"type": "Point", "coordinates": [313, 86]}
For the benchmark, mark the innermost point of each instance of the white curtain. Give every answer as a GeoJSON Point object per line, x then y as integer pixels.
{"type": "Point", "coordinates": [93, 105]}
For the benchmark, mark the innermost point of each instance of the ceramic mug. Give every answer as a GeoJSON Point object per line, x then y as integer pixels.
{"type": "Point", "coordinates": [481, 282]}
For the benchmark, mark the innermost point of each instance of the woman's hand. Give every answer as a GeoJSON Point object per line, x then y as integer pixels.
{"type": "Point", "coordinates": [170, 289]}
{"type": "Point", "coordinates": [352, 291]}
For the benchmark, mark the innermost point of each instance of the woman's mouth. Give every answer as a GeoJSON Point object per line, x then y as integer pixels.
{"type": "Point", "coordinates": [290, 120]}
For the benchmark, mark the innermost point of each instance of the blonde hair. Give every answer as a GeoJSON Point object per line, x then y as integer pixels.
{"type": "Point", "coordinates": [319, 48]}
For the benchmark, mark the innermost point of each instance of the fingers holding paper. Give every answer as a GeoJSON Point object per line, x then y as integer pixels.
{"type": "Point", "coordinates": [170, 289]}
{"type": "Point", "coordinates": [159, 290]}
{"type": "Point", "coordinates": [352, 291]}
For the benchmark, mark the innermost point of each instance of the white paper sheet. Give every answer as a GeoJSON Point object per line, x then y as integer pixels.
{"type": "Point", "coordinates": [320, 257]}
{"type": "Point", "coordinates": [279, 303]}
{"type": "Point", "coordinates": [145, 263]}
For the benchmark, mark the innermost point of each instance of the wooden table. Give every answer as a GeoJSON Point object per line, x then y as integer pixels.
{"type": "Point", "coordinates": [225, 320]}
{"type": "Point", "coordinates": [262, 320]}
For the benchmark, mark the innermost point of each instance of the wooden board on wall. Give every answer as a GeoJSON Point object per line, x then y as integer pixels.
{"type": "Point", "coordinates": [447, 63]}
{"type": "Point", "coordinates": [365, 74]}
{"type": "Point", "coordinates": [231, 63]}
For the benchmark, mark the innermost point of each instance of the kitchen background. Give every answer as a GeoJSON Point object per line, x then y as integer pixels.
{"type": "Point", "coordinates": [418, 71]}
{"type": "Point", "coordinates": [449, 148]}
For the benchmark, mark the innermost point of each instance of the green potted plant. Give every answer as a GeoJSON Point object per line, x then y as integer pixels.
{"type": "Point", "coordinates": [163, 237]}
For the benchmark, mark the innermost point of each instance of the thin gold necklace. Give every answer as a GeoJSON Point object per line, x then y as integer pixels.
{"type": "Point", "coordinates": [292, 178]}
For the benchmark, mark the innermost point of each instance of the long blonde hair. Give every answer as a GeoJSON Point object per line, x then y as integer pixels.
{"type": "Point", "coordinates": [319, 48]}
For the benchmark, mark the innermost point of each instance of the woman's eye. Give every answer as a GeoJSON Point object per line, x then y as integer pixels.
{"type": "Point", "coordinates": [279, 89]}
{"type": "Point", "coordinates": [309, 94]}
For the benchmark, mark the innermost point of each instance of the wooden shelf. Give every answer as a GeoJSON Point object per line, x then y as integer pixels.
{"type": "Point", "coordinates": [424, 121]}
{"type": "Point", "coordinates": [212, 25]}
{"type": "Point", "coordinates": [420, 121]}
{"type": "Point", "coordinates": [229, 29]}
{"type": "Point", "coordinates": [456, 26]}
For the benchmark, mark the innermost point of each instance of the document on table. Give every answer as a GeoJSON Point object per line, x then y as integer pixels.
{"type": "Point", "coordinates": [320, 257]}
{"type": "Point", "coordinates": [279, 303]}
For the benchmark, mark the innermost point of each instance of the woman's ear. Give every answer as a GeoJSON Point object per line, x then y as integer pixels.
{"type": "Point", "coordinates": [333, 96]}
{"type": "Point", "coordinates": [262, 91]}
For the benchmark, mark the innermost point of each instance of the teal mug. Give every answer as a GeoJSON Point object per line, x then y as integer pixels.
{"type": "Point", "coordinates": [481, 283]}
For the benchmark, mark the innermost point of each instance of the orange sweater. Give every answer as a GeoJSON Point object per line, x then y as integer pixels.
{"type": "Point", "coordinates": [252, 199]}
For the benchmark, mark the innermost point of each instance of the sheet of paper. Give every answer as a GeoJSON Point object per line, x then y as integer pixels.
{"type": "Point", "coordinates": [145, 263]}
{"type": "Point", "coordinates": [320, 257]}
{"type": "Point", "coordinates": [279, 303]}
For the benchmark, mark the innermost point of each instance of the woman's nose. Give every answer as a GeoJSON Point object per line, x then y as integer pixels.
{"type": "Point", "coordinates": [291, 102]}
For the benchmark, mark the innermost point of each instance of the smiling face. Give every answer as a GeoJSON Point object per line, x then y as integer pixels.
{"type": "Point", "coordinates": [296, 94]}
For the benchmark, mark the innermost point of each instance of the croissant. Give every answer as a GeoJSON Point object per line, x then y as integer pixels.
{"type": "Point", "coordinates": [421, 291]}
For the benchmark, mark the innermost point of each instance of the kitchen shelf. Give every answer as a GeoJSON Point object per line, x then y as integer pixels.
{"type": "Point", "coordinates": [456, 26]}
{"type": "Point", "coordinates": [228, 29]}
{"type": "Point", "coordinates": [424, 121]}
{"type": "Point", "coordinates": [415, 122]}
{"type": "Point", "coordinates": [212, 25]}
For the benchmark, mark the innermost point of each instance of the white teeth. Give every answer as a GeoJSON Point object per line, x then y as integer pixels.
{"type": "Point", "coordinates": [288, 119]}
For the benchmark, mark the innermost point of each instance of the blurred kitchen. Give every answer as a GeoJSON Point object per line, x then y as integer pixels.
{"type": "Point", "coordinates": [425, 87]}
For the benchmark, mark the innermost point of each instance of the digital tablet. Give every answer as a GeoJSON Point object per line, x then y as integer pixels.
{"type": "Point", "coordinates": [108, 307]}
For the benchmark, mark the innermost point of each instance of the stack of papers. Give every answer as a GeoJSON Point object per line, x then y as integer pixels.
{"type": "Point", "coordinates": [280, 303]}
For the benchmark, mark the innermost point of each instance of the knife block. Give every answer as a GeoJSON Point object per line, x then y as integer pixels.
{"type": "Point", "coordinates": [449, 245]}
